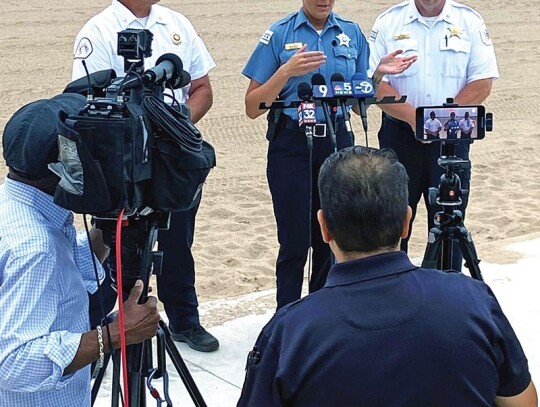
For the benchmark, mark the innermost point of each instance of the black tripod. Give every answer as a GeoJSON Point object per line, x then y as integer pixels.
{"type": "Point", "coordinates": [140, 261]}
{"type": "Point", "coordinates": [449, 224]}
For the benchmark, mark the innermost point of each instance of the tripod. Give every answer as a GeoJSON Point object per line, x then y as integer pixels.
{"type": "Point", "coordinates": [142, 237]}
{"type": "Point", "coordinates": [449, 224]}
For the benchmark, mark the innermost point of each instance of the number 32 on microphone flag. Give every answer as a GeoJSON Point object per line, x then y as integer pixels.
{"type": "Point", "coordinates": [306, 114]}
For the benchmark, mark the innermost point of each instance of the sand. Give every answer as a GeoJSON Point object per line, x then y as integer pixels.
{"type": "Point", "coordinates": [235, 242]}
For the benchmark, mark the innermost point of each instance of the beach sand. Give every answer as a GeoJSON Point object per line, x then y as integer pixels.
{"type": "Point", "coordinates": [235, 241]}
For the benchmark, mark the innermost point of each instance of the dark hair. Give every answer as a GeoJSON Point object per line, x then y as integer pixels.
{"type": "Point", "coordinates": [364, 197]}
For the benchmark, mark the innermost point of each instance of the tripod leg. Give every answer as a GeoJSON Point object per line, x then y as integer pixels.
{"type": "Point", "coordinates": [181, 367]}
{"type": "Point", "coordinates": [469, 254]}
{"type": "Point", "coordinates": [433, 250]}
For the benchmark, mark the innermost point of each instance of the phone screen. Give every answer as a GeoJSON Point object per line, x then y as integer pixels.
{"type": "Point", "coordinates": [441, 123]}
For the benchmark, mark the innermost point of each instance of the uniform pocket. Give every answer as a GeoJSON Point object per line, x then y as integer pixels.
{"type": "Point", "coordinates": [455, 53]}
{"type": "Point", "coordinates": [345, 60]}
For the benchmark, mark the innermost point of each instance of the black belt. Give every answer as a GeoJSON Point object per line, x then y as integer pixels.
{"type": "Point", "coordinates": [285, 122]}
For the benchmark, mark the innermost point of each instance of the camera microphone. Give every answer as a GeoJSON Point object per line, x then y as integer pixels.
{"type": "Point", "coordinates": [170, 69]}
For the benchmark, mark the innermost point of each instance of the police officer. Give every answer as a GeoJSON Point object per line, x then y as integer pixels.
{"type": "Point", "coordinates": [458, 61]}
{"type": "Point", "coordinates": [466, 126]}
{"type": "Point", "coordinates": [451, 127]}
{"type": "Point", "coordinates": [172, 33]}
{"type": "Point", "coordinates": [432, 126]}
{"type": "Point", "coordinates": [311, 40]}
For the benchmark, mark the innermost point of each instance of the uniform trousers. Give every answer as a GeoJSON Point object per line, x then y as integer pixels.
{"type": "Point", "coordinates": [290, 178]}
{"type": "Point", "coordinates": [420, 161]}
{"type": "Point", "coordinates": [176, 284]}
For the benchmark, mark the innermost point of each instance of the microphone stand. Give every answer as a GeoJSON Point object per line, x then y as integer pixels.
{"type": "Point", "coordinates": [329, 124]}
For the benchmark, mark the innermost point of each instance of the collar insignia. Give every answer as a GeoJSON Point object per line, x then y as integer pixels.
{"type": "Point", "coordinates": [176, 38]}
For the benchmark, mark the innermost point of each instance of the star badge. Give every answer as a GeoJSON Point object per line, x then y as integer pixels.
{"type": "Point", "coordinates": [455, 31]}
{"type": "Point", "coordinates": [343, 39]}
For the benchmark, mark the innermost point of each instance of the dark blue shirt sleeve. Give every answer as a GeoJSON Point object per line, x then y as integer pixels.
{"type": "Point", "coordinates": [514, 376]}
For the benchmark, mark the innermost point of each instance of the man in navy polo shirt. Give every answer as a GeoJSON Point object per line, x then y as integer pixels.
{"type": "Point", "coordinates": [383, 332]}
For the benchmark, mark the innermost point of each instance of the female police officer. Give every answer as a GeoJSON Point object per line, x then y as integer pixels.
{"type": "Point", "coordinates": [311, 40]}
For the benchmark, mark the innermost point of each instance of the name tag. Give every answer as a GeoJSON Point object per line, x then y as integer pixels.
{"type": "Point", "coordinates": [293, 45]}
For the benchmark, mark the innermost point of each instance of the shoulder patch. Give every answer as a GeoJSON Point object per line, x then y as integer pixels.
{"type": "Point", "coordinates": [265, 38]}
{"type": "Point", "coordinates": [484, 34]}
{"type": "Point", "coordinates": [84, 48]}
{"type": "Point", "coordinates": [373, 35]}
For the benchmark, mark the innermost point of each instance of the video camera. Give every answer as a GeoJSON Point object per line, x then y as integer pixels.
{"type": "Point", "coordinates": [128, 149]}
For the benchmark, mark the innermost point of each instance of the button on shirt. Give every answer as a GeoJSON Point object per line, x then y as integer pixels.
{"type": "Point", "coordinates": [45, 273]}
{"type": "Point", "coordinates": [341, 40]}
{"type": "Point", "coordinates": [383, 332]}
{"type": "Point", "coordinates": [173, 33]}
{"type": "Point", "coordinates": [452, 52]}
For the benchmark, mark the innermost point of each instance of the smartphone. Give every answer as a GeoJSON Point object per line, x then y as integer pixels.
{"type": "Point", "coordinates": [442, 123]}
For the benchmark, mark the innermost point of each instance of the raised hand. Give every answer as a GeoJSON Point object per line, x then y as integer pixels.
{"type": "Point", "coordinates": [395, 63]}
{"type": "Point", "coordinates": [303, 62]}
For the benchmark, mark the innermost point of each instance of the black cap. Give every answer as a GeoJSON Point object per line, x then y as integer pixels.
{"type": "Point", "coordinates": [30, 139]}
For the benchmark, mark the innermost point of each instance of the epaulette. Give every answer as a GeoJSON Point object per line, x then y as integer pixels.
{"type": "Point", "coordinates": [463, 6]}
{"type": "Point", "coordinates": [394, 8]}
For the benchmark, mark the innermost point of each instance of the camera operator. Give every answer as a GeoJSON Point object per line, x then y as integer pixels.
{"type": "Point", "coordinates": [172, 33]}
{"type": "Point", "coordinates": [46, 269]}
{"type": "Point", "coordinates": [458, 62]}
{"type": "Point", "coordinates": [383, 332]}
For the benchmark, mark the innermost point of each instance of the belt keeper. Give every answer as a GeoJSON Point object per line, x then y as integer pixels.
{"type": "Point", "coordinates": [101, 360]}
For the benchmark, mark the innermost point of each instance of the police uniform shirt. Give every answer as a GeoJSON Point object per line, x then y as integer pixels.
{"type": "Point", "coordinates": [433, 125]}
{"type": "Point", "coordinates": [173, 33]}
{"type": "Point", "coordinates": [466, 125]}
{"type": "Point", "coordinates": [454, 51]}
{"type": "Point", "coordinates": [341, 40]}
{"type": "Point", "coordinates": [383, 332]}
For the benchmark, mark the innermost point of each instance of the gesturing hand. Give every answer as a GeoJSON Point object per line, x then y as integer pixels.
{"type": "Point", "coordinates": [395, 63]}
{"type": "Point", "coordinates": [303, 62]}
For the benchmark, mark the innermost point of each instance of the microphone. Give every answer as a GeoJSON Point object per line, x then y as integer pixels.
{"type": "Point", "coordinates": [318, 84]}
{"type": "Point", "coordinates": [306, 108]}
{"type": "Point", "coordinates": [362, 89]}
{"type": "Point", "coordinates": [170, 69]}
{"type": "Point", "coordinates": [342, 90]}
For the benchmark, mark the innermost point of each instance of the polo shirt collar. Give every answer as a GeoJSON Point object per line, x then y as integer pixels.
{"type": "Point", "coordinates": [446, 14]}
{"type": "Point", "coordinates": [369, 268]}
{"type": "Point", "coordinates": [301, 18]}
{"type": "Point", "coordinates": [126, 17]}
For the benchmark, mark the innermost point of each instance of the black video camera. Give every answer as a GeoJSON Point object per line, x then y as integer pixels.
{"type": "Point", "coordinates": [128, 149]}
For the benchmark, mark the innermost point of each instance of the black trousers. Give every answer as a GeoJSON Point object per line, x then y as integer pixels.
{"type": "Point", "coordinates": [420, 161]}
{"type": "Point", "coordinates": [292, 180]}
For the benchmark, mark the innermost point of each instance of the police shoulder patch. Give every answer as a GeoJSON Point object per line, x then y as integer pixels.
{"type": "Point", "coordinates": [265, 38]}
{"type": "Point", "coordinates": [484, 34]}
{"type": "Point", "coordinates": [373, 35]}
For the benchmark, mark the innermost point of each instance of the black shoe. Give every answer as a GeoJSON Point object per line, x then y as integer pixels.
{"type": "Point", "coordinates": [197, 338]}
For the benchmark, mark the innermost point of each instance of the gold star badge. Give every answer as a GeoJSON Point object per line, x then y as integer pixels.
{"type": "Point", "coordinates": [455, 31]}
{"type": "Point", "coordinates": [176, 38]}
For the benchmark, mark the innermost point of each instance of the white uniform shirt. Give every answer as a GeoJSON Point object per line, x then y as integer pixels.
{"type": "Point", "coordinates": [173, 33]}
{"type": "Point", "coordinates": [454, 51]}
{"type": "Point", "coordinates": [433, 125]}
{"type": "Point", "coordinates": [466, 125]}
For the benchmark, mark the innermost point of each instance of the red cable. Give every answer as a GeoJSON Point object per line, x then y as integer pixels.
{"type": "Point", "coordinates": [123, 350]}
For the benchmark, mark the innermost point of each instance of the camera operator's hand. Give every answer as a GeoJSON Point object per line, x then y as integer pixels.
{"type": "Point", "coordinates": [140, 320]}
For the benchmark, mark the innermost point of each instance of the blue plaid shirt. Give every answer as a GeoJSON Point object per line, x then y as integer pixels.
{"type": "Point", "coordinates": [45, 273]}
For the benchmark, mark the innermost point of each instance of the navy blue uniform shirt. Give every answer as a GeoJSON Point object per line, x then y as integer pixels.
{"type": "Point", "coordinates": [383, 332]}
{"type": "Point", "coordinates": [341, 40]}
